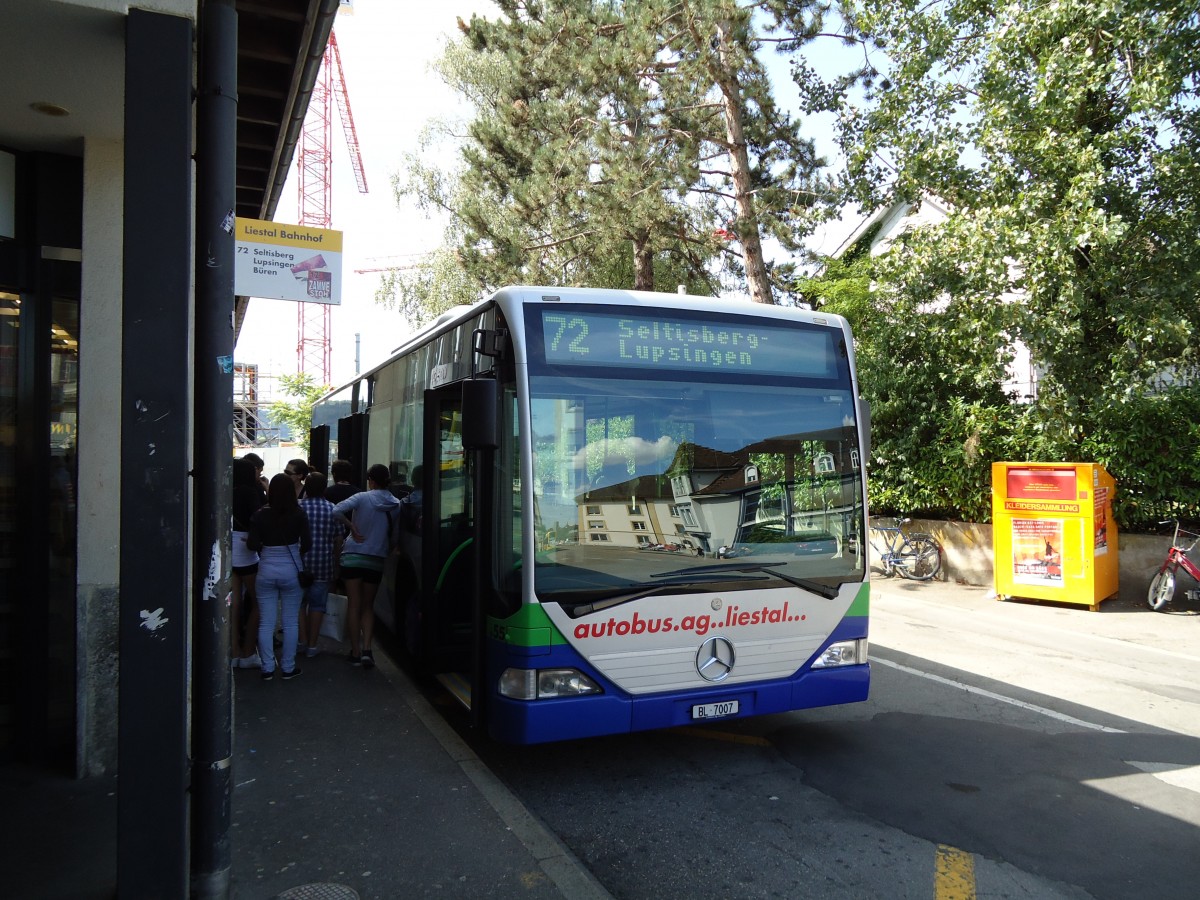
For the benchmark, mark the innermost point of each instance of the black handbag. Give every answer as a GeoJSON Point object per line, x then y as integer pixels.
{"type": "Point", "coordinates": [302, 575]}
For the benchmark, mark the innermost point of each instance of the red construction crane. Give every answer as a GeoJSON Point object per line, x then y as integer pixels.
{"type": "Point", "coordinates": [315, 167]}
{"type": "Point", "coordinates": [382, 266]}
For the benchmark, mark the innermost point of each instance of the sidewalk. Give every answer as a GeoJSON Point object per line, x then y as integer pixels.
{"type": "Point", "coordinates": [1125, 619]}
{"type": "Point", "coordinates": [347, 777]}
{"type": "Point", "coordinates": [347, 784]}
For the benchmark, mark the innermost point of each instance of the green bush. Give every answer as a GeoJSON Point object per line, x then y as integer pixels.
{"type": "Point", "coordinates": [1150, 445]}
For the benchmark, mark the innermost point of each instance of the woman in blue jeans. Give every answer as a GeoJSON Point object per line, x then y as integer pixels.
{"type": "Point", "coordinates": [279, 532]}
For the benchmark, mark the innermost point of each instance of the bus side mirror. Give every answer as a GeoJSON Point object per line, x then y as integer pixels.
{"type": "Point", "coordinates": [480, 409]}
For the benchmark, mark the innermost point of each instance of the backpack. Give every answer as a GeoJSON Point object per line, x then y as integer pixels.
{"type": "Point", "coordinates": [395, 531]}
{"type": "Point", "coordinates": [410, 514]}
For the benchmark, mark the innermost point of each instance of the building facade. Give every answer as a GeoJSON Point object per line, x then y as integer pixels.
{"type": "Point", "coordinates": [130, 134]}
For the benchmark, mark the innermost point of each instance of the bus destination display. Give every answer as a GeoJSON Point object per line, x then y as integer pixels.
{"type": "Point", "coordinates": [592, 338]}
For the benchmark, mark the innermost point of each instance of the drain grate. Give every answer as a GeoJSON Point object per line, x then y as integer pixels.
{"type": "Point", "coordinates": [325, 891]}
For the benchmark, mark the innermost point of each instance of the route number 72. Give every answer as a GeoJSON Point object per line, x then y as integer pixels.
{"type": "Point", "coordinates": [565, 325]}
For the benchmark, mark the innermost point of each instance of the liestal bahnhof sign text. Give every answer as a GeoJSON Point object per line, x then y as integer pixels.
{"type": "Point", "coordinates": [287, 262]}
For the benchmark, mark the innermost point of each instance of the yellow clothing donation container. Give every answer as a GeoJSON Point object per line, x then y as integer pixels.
{"type": "Point", "coordinates": [1053, 533]}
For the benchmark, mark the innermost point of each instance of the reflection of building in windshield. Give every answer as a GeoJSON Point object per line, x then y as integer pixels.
{"type": "Point", "coordinates": [794, 490]}
{"type": "Point", "coordinates": [639, 512]}
{"type": "Point", "coordinates": [709, 486]}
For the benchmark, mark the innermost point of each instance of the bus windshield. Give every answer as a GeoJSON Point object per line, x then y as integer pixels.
{"type": "Point", "coordinates": [666, 484]}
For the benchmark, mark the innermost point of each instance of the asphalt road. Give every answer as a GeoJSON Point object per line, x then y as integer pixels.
{"type": "Point", "coordinates": [1007, 750]}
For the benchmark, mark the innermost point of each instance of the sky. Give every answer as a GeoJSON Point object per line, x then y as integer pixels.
{"type": "Point", "coordinates": [386, 47]}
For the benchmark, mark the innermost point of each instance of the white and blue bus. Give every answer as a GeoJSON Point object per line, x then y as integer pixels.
{"type": "Point", "coordinates": [637, 510]}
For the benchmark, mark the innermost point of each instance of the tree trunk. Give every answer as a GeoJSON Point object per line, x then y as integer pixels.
{"type": "Point", "coordinates": [757, 279]}
{"type": "Point", "coordinates": [643, 264]}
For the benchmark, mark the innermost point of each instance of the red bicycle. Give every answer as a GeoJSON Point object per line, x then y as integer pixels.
{"type": "Point", "coordinates": [1162, 587]}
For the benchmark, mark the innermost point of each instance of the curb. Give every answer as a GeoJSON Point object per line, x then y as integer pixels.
{"type": "Point", "coordinates": [562, 867]}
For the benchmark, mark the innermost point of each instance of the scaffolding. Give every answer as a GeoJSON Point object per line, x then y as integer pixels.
{"type": "Point", "coordinates": [251, 425]}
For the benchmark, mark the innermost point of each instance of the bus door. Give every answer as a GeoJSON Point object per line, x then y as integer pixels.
{"type": "Point", "coordinates": [447, 527]}
{"type": "Point", "coordinates": [318, 448]}
{"type": "Point", "coordinates": [352, 442]}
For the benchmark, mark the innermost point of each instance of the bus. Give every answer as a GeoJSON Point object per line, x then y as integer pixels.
{"type": "Point", "coordinates": [637, 510]}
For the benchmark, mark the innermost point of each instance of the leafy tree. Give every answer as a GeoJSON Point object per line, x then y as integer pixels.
{"type": "Point", "coordinates": [1064, 137]}
{"type": "Point", "coordinates": [845, 286]}
{"type": "Point", "coordinates": [931, 372]}
{"type": "Point", "coordinates": [610, 140]}
{"type": "Point", "coordinates": [297, 413]}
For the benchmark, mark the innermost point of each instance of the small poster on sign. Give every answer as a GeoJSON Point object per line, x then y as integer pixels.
{"type": "Point", "coordinates": [1037, 551]}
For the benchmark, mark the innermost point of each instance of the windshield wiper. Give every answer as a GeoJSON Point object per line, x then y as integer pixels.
{"type": "Point", "coordinates": [813, 587]}
{"type": "Point", "coordinates": [680, 579]}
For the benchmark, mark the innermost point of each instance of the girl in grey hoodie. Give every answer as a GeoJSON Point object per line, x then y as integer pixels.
{"type": "Point", "coordinates": [371, 514]}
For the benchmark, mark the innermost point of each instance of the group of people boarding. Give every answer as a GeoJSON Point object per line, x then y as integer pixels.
{"type": "Point", "coordinates": [292, 538]}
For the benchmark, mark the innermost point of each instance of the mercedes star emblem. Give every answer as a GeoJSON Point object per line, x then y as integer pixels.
{"type": "Point", "coordinates": [715, 658]}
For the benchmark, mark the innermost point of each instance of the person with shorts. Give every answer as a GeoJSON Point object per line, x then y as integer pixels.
{"type": "Point", "coordinates": [248, 497]}
{"type": "Point", "coordinates": [372, 513]}
{"type": "Point", "coordinates": [326, 530]}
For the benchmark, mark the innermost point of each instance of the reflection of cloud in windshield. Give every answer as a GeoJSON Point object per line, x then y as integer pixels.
{"type": "Point", "coordinates": [620, 451]}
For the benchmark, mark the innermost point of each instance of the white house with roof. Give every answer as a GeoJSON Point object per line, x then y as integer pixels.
{"type": "Point", "coordinates": [886, 224]}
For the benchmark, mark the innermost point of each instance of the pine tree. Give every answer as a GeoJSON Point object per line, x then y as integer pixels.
{"type": "Point", "coordinates": [607, 129]}
{"type": "Point", "coordinates": [755, 156]}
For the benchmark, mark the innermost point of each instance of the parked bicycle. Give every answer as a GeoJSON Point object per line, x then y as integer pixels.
{"type": "Point", "coordinates": [1162, 586]}
{"type": "Point", "coordinates": [914, 556]}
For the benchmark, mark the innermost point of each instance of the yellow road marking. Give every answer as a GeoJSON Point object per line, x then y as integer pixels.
{"type": "Point", "coordinates": [955, 877]}
{"type": "Point", "coordinates": [750, 739]}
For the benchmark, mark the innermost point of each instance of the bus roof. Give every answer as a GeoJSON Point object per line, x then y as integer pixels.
{"type": "Point", "coordinates": [524, 294]}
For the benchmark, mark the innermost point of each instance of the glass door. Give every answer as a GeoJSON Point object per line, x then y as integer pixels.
{"type": "Point", "coordinates": [449, 526]}
{"type": "Point", "coordinates": [62, 478]}
{"type": "Point", "coordinates": [39, 416]}
{"type": "Point", "coordinates": [10, 613]}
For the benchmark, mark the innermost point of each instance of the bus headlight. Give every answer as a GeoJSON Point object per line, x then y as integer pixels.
{"type": "Point", "coordinates": [541, 684]}
{"type": "Point", "coordinates": [843, 653]}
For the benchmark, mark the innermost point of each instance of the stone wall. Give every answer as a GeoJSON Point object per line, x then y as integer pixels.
{"type": "Point", "coordinates": [967, 555]}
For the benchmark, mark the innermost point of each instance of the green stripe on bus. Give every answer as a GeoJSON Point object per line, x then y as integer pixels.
{"type": "Point", "coordinates": [528, 627]}
{"type": "Point", "coordinates": [862, 601]}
